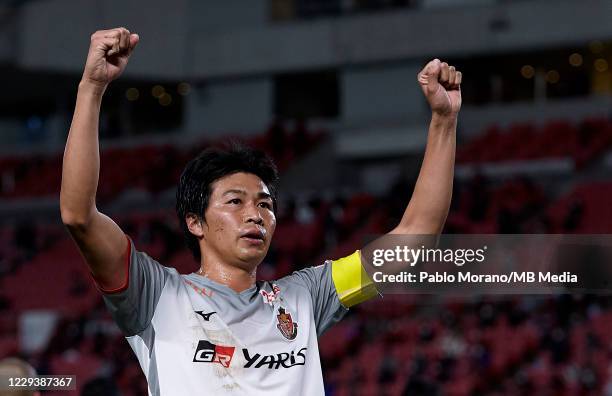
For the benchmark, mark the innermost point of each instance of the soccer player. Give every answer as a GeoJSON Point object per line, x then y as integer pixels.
{"type": "Point", "coordinates": [220, 331]}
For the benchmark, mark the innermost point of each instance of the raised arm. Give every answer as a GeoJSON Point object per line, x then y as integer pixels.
{"type": "Point", "coordinates": [428, 207]}
{"type": "Point", "coordinates": [99, 239]}
{"type": "Point", "coordinates": [427, 210]}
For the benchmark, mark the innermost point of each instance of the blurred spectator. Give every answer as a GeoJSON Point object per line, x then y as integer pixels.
{"type": "Point", "coordinates": [315, 8]}
{"type": "Point", "coordinates": [300, 137]}
{"type": "Point", "coordinates": [7, 181]}
{"type": "Point", "coordinates": [277, 139]}
{"type": "Point", "coordinates": [78, 285]}
{"type": "Point", "coordinates": [507, 222]}
{"type": "Point", "coordinates": [574, 217]}
{"type": "Point", "coordinates": [417, 383]}
{"type": "Point", "coordinates": [5, 303]}
{"type": "Point", "coordinates": [13, 367]}
{"type": "Point", "coordinates": [25, 238]}
{"type": "Point", "coordinates": [387, 371]}
{"type": "Point", "coordinates": [478, 197]}
{"type": "Point", "coordinates": [332, 221]}
{"type": "Point", "coordinates": [100, 387]}
{"type": "Point", "coordinates": [287, 211]}
{"type": "Point", "coordinates": [305, 213]}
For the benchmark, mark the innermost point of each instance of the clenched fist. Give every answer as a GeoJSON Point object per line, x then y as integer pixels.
{"type": "Point", "coordinates": [441, 85]}
{"type": "Point", "coordinates": [108, 55]}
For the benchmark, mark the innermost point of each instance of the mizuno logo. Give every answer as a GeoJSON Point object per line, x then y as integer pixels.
{"type": "Point", "coordinates": [206, 316]}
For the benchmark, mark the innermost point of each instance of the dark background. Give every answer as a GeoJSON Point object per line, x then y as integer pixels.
{"type": "Point", "coordinates": [328, 89]}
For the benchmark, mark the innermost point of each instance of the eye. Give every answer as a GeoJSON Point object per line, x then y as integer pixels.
{"type": "Point", "coordinates": [266, 205]}
{"type": "Point", "coordinates": [235, 201]}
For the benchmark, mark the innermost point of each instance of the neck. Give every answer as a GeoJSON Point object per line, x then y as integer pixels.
{"type": "Point", "coordinates": [234, 277]}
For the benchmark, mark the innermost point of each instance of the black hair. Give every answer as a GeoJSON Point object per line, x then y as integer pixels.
{"type": "Point", "coordinates": [195, 185]}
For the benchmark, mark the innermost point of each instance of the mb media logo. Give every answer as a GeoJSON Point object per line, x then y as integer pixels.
{"type": "Point", "coordinates": [207, 352]}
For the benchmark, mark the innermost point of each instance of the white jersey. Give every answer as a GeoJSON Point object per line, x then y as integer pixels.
{"type": "Point", "coordinates": [193, 336]}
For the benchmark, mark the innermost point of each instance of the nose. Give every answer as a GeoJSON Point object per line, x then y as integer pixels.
{"type": "Point", "coordinates": [253, 215]}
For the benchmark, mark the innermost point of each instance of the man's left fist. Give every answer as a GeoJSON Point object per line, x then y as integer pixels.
{"type": "Point", "coordinates": [441, 85]}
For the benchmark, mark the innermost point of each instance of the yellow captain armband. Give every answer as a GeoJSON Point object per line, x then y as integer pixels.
{"type": "Point", "coordinates": [353, 284]}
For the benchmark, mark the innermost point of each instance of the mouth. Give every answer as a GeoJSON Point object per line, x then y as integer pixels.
{"type": "Point", "coordinates": [255, 237]}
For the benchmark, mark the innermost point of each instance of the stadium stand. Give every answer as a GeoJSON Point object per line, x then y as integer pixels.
{"type": "Point", "coordinates": [523, 345]}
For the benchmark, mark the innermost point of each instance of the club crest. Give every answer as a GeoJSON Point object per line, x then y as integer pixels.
{"type": "Point", "coordinates": [286, 325]}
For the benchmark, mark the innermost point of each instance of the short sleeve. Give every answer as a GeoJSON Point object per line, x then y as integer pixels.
{"type": "Point", "coordinates": [133, 306]}
{"type": "Point", "coordinates": [326, 305]}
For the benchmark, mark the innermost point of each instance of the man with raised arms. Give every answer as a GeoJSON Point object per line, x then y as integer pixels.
{"type": "Point", "coordinates": [220, 331]}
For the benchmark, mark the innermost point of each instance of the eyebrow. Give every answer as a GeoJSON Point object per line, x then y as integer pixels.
{"type": "Point", "coordinates": [260, 195]}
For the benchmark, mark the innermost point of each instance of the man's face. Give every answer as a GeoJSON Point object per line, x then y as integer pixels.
{"type": "Point", "coordinates": [240, 221]}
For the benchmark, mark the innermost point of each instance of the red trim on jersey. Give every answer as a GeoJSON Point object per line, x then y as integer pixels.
{"type": "Point", "coordinates": [128, 254]}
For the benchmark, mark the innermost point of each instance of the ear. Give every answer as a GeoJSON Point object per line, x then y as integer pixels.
{"type": "Point", "coordinates": [195, 225]}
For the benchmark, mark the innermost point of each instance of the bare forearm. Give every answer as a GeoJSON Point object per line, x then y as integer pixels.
{"type": "Point", "coordinates": [81, 165]}
{"type": "Point", "coordinates": [428, 208]}
{"type": "Point", "coordinates": [100, 240]}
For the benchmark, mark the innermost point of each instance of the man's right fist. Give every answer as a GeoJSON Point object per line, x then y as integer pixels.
{"type": "Point", "coordinates": [108, 55]}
